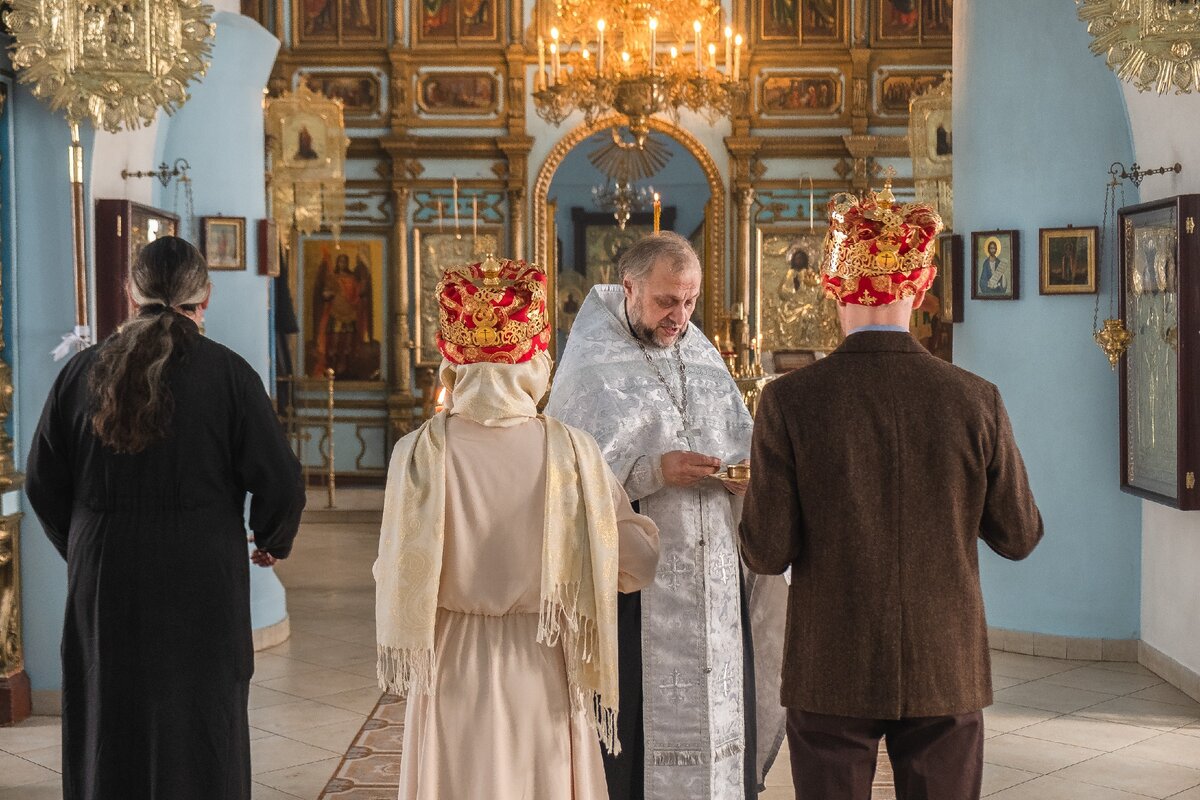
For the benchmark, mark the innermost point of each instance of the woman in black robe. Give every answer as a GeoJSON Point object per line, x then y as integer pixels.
{"type": "Point", "coordinates": [139, 470]}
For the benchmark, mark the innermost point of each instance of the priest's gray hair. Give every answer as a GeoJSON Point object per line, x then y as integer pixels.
{"type": "Point", "coordinates": [637, 262]}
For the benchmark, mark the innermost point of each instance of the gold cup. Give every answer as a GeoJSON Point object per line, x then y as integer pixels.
{"type": "Point", "coordinates": [738, 472]}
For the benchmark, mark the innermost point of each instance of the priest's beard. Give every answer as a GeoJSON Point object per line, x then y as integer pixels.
{"type": "Point", "coordinates": [661, 333]}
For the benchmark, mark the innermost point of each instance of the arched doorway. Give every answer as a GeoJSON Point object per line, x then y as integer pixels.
{"type": "Point", "coordinates": [711, 235]}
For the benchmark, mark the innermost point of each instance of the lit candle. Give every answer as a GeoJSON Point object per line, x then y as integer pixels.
{"type": "Point", "coordinates": [717, 341]}
{"type": "Point", "coordinates": [728, 49]}
{"type": "Point", "coordinates": [811, 204]}
{"type": "Point", "coordinates": [541, 55]}
{"type": "Point", "coordinates": [653, 40]}
{"type": "Point", "coordinates": [554, 64]}
{"type": "Point", "coordinates": [712, 56]}
{"type": "Point", "coordinates": [441, 216]}
{"type": "Point", "coordinates": [625, 61]}
{"type": "Point", "coordinates": [600, 46]}
{"type": "Point", "coordinates": [475, 216]}
{"type": "Point", "coordinates": [737, 56]}
{"type": "Point", "coordinates": [657, 211]}
{"type": "Point", "coordinates": [699, 48]}
{"type": "Point", "coordinates": [455, 201]}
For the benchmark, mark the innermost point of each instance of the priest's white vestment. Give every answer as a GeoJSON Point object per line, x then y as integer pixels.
{"type": "Point", "coordinates": [693, 680]}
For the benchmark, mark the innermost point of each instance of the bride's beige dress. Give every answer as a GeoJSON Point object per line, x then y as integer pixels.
{"type": "Point", "coordinates": [498, 724]}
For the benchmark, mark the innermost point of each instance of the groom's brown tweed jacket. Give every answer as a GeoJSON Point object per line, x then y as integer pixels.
{"type": "Point", "coordinates": [874, 473]}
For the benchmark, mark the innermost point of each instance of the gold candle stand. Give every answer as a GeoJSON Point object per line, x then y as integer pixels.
{"type": "Point", "coordinates": [330, 477]}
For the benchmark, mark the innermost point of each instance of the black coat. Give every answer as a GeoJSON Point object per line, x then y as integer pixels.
{"type": "Point", "coordinates": [157, 650]}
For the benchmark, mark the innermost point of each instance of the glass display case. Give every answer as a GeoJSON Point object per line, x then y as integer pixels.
{"type": "Point", "coordinates": [123, 228]}
{"type": "Point", "coordinates": [1160, 304]}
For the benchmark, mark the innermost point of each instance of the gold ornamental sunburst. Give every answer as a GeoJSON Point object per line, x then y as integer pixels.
{"type": "Point", "coordinates": [115, 62]}
{"type": "Point", "coordinates": [1153, 44]}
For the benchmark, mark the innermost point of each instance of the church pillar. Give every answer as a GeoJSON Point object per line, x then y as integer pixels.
{"type": "Point", "coordinates": [515, 172]}
{"type": "Point", "coordinates": [15, 696]}
{"type": "Point", "coordinates": [516, 210]}
{"type": "Point", "coordinates": [745, 204]}
{"type": "Point", "coordinates": [400, 399]}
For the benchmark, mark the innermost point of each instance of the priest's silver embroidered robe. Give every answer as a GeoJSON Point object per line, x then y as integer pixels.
{"type": "Point", "coordinates": [692, 639]}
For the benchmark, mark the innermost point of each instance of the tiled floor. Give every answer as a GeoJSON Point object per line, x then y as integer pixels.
{"type": "Point", "coordinates": [1060, 730]}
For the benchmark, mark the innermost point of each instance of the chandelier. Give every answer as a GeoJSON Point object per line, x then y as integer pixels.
{"type": "Point", "coordinates": [639, 59]}
{"type": "Point", "coordinates": [1154, 44]}
{"type": "Point", "coordinates": [623, 198]}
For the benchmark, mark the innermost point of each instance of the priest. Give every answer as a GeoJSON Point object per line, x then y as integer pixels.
{"type": "Point", "coordinates": [655, 394]}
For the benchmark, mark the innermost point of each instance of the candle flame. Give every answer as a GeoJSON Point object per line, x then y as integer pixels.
{"type": "Point", "coordinates": [599, 24]}
{"type": "Point", "coordinates": [738, 40]}
{"type": "Point", "coordinates": [654, 23]}
{"type": "Point", "coordinates": [674, 52]}
{"type": "Point", "coordinates": [696, 26]}
{"type": "Point", "coordinates": [728, 32]}
{"type": "Point", "coordinates": [554, 34]}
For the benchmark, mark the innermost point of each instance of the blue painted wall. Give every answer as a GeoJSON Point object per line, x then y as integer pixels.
{"type": "Point", "coordinates": [42, 285]}
{"type": "Point", "coordinates": [220, 132]}
{"type": "Point", "coordinates": [1037, 121]}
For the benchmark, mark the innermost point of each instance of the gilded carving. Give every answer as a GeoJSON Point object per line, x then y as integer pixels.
{"type": "Point", "coordinates": [115, 62]}
{"type": "Point", "coordinates": [795, 312]}
{"type": "Point", "coordinates": [12, 658]}
{"type": "Point", "coordinates": [1153, 44]}
{"type": "Point", "coordinates": [307, 136]}
{"type": "Point", "coordinates": [930, 135]}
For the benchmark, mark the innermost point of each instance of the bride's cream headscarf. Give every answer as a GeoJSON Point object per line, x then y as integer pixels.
{"type": "Point", "coordinates": [579, 546]}
{"type": "Point", "coordinates": [496, 395]}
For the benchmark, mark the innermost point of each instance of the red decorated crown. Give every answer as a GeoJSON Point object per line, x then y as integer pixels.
{"type": "Point", "coordinates": [493, 312]}
{"type": "Point", "coordinates": [878, 251]}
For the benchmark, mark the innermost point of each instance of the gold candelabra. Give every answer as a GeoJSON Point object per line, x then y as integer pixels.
{"type": "Point", "coordinates": [745, 365]}
{"type": "Point", "coordinates": [330, 477]}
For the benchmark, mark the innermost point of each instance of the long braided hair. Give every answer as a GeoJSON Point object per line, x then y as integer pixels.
{"type": "Point", "coordinates": [132, 401]}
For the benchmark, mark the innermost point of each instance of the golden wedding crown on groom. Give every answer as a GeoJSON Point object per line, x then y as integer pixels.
{"type": "Point", "coordinates": [878, 251]}
{"type": "Point", "coordinates": [493, 312]}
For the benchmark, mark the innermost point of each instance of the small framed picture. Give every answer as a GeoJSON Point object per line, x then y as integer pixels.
{"type": "Point", "coordinates": [995, 265]}
{"type": "Point", "coordinates": [1067, 260]}
{"type": "Point", "coordinates": [223, 242]}
{"type": "Point", "coordinates": [268, 248]}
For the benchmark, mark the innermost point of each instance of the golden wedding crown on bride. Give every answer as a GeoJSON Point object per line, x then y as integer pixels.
{"type": "Point", "coordinates": [493, 312]}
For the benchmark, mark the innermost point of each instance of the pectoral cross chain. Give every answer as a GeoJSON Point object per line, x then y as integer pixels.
{"type": "Point", "coordinates": [692, 434]}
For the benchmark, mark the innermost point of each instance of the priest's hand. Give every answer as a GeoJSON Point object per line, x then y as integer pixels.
{"type": "Point", "coordinates": [263, 558]}
{"type": "Point", "coordinates": [682, 468]}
